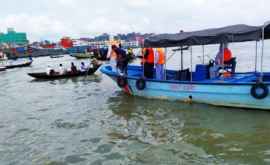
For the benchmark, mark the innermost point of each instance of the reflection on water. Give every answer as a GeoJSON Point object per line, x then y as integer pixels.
{"type": "Point", "coordinates": [88, 120]}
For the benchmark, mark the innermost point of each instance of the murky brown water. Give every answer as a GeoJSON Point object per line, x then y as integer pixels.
{"type": "Point", "coordinates": [88, 120]}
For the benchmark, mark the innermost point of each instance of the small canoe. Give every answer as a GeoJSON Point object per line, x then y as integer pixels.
{"type": "Point", "coordinates": [45, 76]}
{"type": "Point", "coordinates": [25, 64]}
{"type": "Point", "coordinates": [57, 56]}
{"type": "Point", "coordinates": [82, 55]}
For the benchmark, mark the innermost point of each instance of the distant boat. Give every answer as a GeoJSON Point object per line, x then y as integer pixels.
{"type": "Point", "coordinates": [82, 55]}
{"type": "Point", "coordinates": [56, 56]}
{"type": "Point", "coordinates": [19, 65]}
{"type": "Point", "coordinates": [45, 76]}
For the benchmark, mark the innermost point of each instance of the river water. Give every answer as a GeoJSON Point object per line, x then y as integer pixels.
{"type": "Point", "coordinates": [89, 121]}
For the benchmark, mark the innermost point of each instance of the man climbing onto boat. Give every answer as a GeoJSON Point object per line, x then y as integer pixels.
{"type": "Point", "coordinates": [121, 61]}
{"type": "Point", "coordinates": [112, 56]}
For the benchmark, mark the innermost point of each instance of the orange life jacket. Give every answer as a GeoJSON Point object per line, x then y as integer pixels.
{"type": "Point", "coordinates": [161, 56]}
{"type": "Point", "coordinates": [151, 56]}
{"type": "Point", "coordinates": [227, 55]}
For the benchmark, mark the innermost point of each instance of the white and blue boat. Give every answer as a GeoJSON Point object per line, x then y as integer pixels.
{"type": "Point", "coordinates": [242, 90]}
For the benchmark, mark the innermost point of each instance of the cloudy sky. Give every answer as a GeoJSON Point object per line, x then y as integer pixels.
{"type": "Point", "coordinates": [51, 19]}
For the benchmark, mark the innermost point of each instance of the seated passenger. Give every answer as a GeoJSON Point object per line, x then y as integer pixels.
{"type": "Point", "coordinates": [226, 60]}
{"type": "Point", "coordinates": [73, 68]}
{"type": "Point", "coordinates": [61, 69]}
{"type": "Point", "coordinates": [83, 67]}
{"type": "Point", "coordinates": [49, 70]}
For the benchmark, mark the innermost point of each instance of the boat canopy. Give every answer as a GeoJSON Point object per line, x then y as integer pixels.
{"type": "Point", "coordinates": [234, 33]}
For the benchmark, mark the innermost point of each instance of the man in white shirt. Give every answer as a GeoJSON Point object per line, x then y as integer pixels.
{"type": "Point", "coordinates": [83, 67]}
{"type": "Point", "coordinates": [61, 69]}
{"type": "Point", "coordinates": [48, 71]}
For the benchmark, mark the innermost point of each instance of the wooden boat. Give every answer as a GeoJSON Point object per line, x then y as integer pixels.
{"type": "Point", "coordinates": [56, 56]}
{"type": "Point", "coordinates": [24, 64]}
{"type": "Point", "coordinates": [19, 65]}
{"type": "Point", "coordinates": [45, 76]}
{"type": "Point", "coordinates": [240, 90]}
{"type": "Point", "coordinates": [82, 55]}
{"type": "Point", "coordinates": [2, 69]}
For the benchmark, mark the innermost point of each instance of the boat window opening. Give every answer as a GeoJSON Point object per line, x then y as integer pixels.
{"type": "Point", "coordinates": [203, 54]}
{"type": "Point", "coordinates": [191, 64]}
{"type": "Point", "coordinates": [262, 53]}
{"type": "Point", "coordinates": [256, 56]}
{"type": "Point", "coordinates": [165, 66]}
{"type": "Point", "coordinates": [222, 59]}
{"type": "Point", "coordinates": [182, 58]}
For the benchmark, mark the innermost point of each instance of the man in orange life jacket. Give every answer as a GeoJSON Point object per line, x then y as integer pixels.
{"type": "Point", "coordinates": [224, 57]}
{"type": "Point", "coordinates": [148, 62]}
{"type": "Point", "coordinates": [159, 62]}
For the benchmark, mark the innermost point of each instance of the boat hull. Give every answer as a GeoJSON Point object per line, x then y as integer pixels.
{"type": "Point", "coordinates": [2, 69]}
{"type": "Point", "coordinates": [218, 94]}
{"type": "Point", "coordinates": [26, 64]}
{"type": "Point", "coordinates": [82, 55]}
{"type": "Point", "coordinates": [56, 56]}
{"type": "Point", "coordinates": [44, 75]}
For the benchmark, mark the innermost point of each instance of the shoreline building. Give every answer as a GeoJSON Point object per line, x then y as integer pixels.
{"type": "Point", "coordinates": [13, 37]}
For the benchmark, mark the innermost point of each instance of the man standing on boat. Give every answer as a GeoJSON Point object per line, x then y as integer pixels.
{"type": "Point", "coordinates": [159, 62]}
{"type": "Point", "coordinates": [224, 58]}
{"type": "Point", "coordinates": [148, 62]}
{"type": "Point", "coordinates": [226, 52]}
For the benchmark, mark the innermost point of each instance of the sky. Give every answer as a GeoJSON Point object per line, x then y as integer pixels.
{"type": "Point", "coordinates": [53, 19]}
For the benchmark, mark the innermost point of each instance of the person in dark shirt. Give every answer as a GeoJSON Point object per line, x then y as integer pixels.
{"type": "Point", "coordinates": [73, 68]}
{"type": "Point", "coordinates": [122, 60]}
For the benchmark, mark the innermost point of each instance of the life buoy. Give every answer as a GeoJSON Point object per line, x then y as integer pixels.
{"type": "Point", "coordinates": [121, 81]}
{"type": "Point", "coordinates": [140, 84]}
{"type": "Point", "coordinates": [259, 91]}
